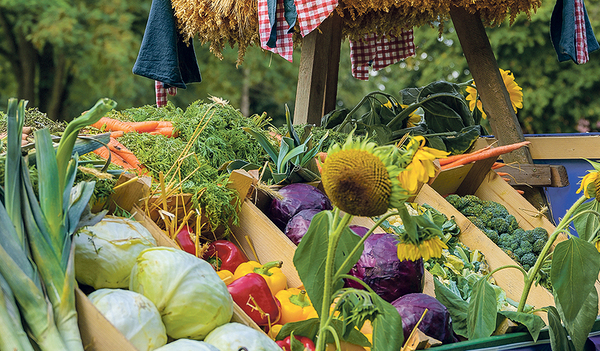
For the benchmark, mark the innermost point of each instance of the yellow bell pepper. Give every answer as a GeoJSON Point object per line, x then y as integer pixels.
{"type": "Point", "coordinates": [271, 271]}
{"type": "Point", "coordinates": [226, 276]}
{"type": "Point", "coordinates": [295, 305]}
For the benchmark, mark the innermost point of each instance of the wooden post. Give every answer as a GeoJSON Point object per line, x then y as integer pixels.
{"type": "Point", "coordinates": [494, 96]}
{"type": "Point", "coordinates": [318, 72]}
{"type": "Point", "coordinates": [484, 68]}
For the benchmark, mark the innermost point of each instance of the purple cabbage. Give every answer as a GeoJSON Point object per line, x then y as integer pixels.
{"type": "Point", "coordinates": [380, 268]}
{"type": "Point", "coordinates": [296, 197]}
{"type": "Point", "coordinates": [436, 323]}
{"type": "Point", "coordinates": [298, 225]}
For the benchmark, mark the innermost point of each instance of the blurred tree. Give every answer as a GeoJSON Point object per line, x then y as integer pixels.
{"type": "Point", "coordinates": [66, 54]}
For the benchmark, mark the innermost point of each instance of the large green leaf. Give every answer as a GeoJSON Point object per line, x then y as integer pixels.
{"type": "Point", "coordinates": [310, 257]}
{"type": "Point", "coordinates": [481, 314]}
{"type": "Point", "coordinates": [575, 267]}
{"type": "Point", "coordinates": [462, 141]}
{"type": "Point", "coordinates": [265, 143]}
{"type": "Point", "coordinates": [457, 307]}
{"type": "Point", "coordinates": [348, 241]}
{"type": "Point", "coordinates": [587, 224]}
{"type": "Point", "coordinates": [534, 323]}
{"type": "Point", "coordinates": [308, 328]}
{"type": "Point", "coordinates": [387, 327]}
{"type": "Point", "coordinates": [580, 328]}
{"type": "Point", "coordinates": [558, 333]}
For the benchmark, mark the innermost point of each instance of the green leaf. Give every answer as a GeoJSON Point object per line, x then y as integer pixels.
{"type": "Point", "coordinates": [460, 143]}
{"type": "Point", "coordinates": [481, 314]}
{"type": "Point", "coordinates": [580, 328]}
{"type": "Point", "coordinates": [534, 323]}
{"type": "Point", "coordinates": [457, 307]}
{"type": "Point", "coordinates": [284, 148]}
{"type": "Point", "coordinates": [308, 328]}
{"type": "Point", "coordinates": [265, 143]}
{"type": "Point", "coordinates": [353, 335]}
{"type": "Point", "coordinates": [348, 241]}
{"type": "Point", "coordinates": [299, 150]}
{"type": "Point", "coordinates": [291, 131]}
{"type": "Point", "coordinates": [387, 327]}
{"type": "Point", "coordinates": [575, 267]}
{"type": "Point", "coordinates": [558, 333]}
{"type": "Point", "coordinates": [587, 224]}
{"type": "Point", "coordinates": [334, 118]}
{"type": "Point", "coordinates": [295, 344]}
{"type": "Point", "coordinates": [310, 257]}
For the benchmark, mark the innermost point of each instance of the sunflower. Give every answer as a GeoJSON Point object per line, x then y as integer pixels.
{"type": "Point", "coordinates": [361, 178]}
{"type": "Point", "coordinates": [590, 184]}
{"type": "Point", "coordinates": [421, 168]}
{"type": "Point", "coordinates": [427, 249]}
{"type": "Point", "coordinates": [413, 118]}
{"type": "Point", "coordinates": [514, 90]}
{"type": "Point", "coordinates": [597, 244]}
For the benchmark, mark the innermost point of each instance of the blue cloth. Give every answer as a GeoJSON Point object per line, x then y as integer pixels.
{"type": "Point", "coordinates": [163, 55]}
{"type": "Point", "coordinates": [562, 31]}
{"type": "Point", "coordinates": [291, 15]}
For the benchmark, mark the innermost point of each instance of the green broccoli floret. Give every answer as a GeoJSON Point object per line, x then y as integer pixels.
{"type": "Point", "coordinates": [499, 224]}
{"type": "Point", "coordinates": [478, 223]}
{"type": "Point", "coordinates": [538, 245]}
{"type": "Point", "coordinates": [520, 252]}
{"type": "Point", "coordinates": [498, 210]}
{"type": "Point", "coordinates": [526, 245]}
{"type": "Point", "coordinates": [540, 233]}
{"type": "Point", "coordinates": [512, 223]}
{"type": "Point", "coordinates": [472, 200]}
{"type": "Point", "coordinates": [486, 215]}
{"type": "Point", "coordinates": [529, 236]}
{"type": "Point", "coordinates": [456, 201]}
{"type": "Point", "coordinates": [472, 210]}
{"type": "Point", "coordinates": [504, 240]}
{"type": "Point", "coordinates": [528, 260]}
{"type": "Point", "coordinates": [519, 234]}
{"type": "Point", "coordinates": [492, 234]}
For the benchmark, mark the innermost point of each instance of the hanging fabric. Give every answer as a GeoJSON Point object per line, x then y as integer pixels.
{"type": "Point", "coordinates": [379, 52]}
{"type": "Point", "coordinates": [161, 93]}
{"type": "Point", "coordinates": [571, 32]}
{"type": "Point", "coordinates": [283, 45]}
{"type": "Point", "coordinates": [311, 13]}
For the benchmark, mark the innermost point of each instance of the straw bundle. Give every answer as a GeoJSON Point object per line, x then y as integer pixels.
{"type": "Point", "coordinates": [236, 22]}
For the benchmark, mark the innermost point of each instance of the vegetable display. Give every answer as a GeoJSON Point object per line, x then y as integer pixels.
{"type": "Point", "coordinates": [295, 198]}
{"type": "Point", "coordinates": [187, 291]}
{"type": "Point", "coordinates": [270, 271]}
{"type": "Point", "coordinates": [133, 315]}
{"type": "Point", "coordinates": [252, 293]}
{"type": "Point", "coordinates": [106, 251]}
{"type": "Point", "coordinates": [224, 255]}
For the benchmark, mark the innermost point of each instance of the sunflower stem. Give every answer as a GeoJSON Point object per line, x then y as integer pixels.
{"type": "Point", "coordinates": [530, 278]}
{"type": "Point", "coordinates": [336, 229]}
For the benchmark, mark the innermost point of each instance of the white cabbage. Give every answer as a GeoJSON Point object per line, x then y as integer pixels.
{"type": "Point", "coordinates": [133, 315]}
{"type": "Point", "coordinates": [237, 336]}
{"type": "Point", "coordinates": [187, 345]}
{"type": "Point", "coordinates": [187, 291]}
{"type": "Point", "coordinates": [106, 252]}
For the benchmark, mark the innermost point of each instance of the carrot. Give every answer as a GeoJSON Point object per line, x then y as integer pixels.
{"type": "Point", "coordinates": [453, 158]}
{"type": "Point", "coordinates": [166, 131]}
{"type": "Point", "coordinates": [146, 126]}
{"type": "Point", "coordinates": [113, 125]}
{"type": "Point", "coordinates": [522, 192]}
{"type": "Point", "coordinates": [493, 152]}
{"type": "Point", "coordinates": [164, 124]}
{"type": "Point", "coordinates": [128, 156]}
{"type": "Point", "coordinates": [497, 165]}
{"type": "Point", "coordinates": [502, 174]}
{"type": "Point", "coordinates": [322, 156]}
{"type": "Point", "coordinates": [114, 158]}
{"type": "Point", "coordinates": [117, 134]}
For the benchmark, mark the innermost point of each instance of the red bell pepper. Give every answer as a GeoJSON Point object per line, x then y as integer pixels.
{"type": "Point", "coordinates": [223, 254]}
{"type": "Point", "coordinates": [251, 292]}
{"type": "Point", "coordinates": [285, 344]}
{"type": "Point", "coordinates": [185, 241]}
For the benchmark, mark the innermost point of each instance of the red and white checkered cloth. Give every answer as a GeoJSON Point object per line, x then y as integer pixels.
{"type": "Point", "coordinates": [312, 12]}
{"type": "Point", "coordinates": [161, 93]}
{"type": "Point", "coordinates": [380, 52]}
{"type": "Point", "coordinates": [284, 45]}
{"type": "Point", "coordinates": [580, 33]}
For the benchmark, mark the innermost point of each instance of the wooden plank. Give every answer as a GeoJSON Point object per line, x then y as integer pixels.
{"type": "Point", "coordinates": [333, 61]}
{"type": "Point", "coordinates": [312, 75]}
{"type": "Point", "coordinates": [536, 175]}
{"type": "Point", "coordinates": [475, 176]}
{"type": "Point", "coordinates": [510, 280]}
{"type": "Point", "coordinates": [557, 147]}
{"type": "Point", "coordinates": [448, 181]}
{"type": "Point", "coordinates": [128, 191]}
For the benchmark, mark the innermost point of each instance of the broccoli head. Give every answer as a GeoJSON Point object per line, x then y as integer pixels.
{"type": "Point", "coordinates": [538, 245]}
{"type": "Point", "coordinates": [499, 224]}
{"type": "Point", "coordinates": [492, 234]}
{"type": "Point", "coordinates": [456, 201]}
{"type": "Point", "coordinates": [508, 242]}
{"type": "Point", "coordinates": [498, 210]}
{"type": "Point", "coordinates": [540, 233]}
{"type": "Point", "coordinates": [478, 223]}
{"type": "Point", "coordinates": [520, 252]}
{"type": "Point", "coordinates": [528, 260]}
{"type": "Point", "coordinates": [526, 245]}
{"type": "Point", "coordinates": [519, 233]}
{"type": "Point", "coordinates": [472, 200]}
{"type": "Point", "coordinates": [512, 223]}
{"type": "Point", "coordinates": [529, 236]}
{"type": "Point", "coordinates": [472, 210]}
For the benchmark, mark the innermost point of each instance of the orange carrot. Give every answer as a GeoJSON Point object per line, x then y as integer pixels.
{"type": "Point", "coordinates": [502, 174]}
{"type": "Point", "coordinates": [117, 134]}
{"type": "Point", "coordinates": [166, 131]}
{"type": "Point", "coordinates": [114, 158]}
{"type": "Point", "coordinates": [113, 125]}
{"type": "Point", "coordinates": [506, 179]}
{"type": "Point", "coordinates": [497, 165]}
{"type": "Point", "coordinates": [494, 152]}
{"type": "Point", "coordinates": [146, 126]}
{"type": "Point", "coordinates": [520, 191]}
{"type": "Point", "coordinates": [453, 158]}
{"type": "Point", "coordinates": [128, 156]}
{"type": "Point", "coordinates": [164, 124]}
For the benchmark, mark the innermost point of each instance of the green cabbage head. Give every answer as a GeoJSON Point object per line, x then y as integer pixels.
{"type": "Point", "coordinates": [187, 345]}
{"type": "Point", "coordinates": [190, 296]}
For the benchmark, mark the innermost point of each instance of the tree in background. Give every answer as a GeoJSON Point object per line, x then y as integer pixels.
{"type": "Point", "coordinates": [63, 55]}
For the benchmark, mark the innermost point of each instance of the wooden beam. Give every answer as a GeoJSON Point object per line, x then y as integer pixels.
{"type": "Point", "coordinates": [330, 102]}
{"type": "Point", "coordinates": [536, 175]}
{"type": "Point", "coordinates": [490, 86]}
{"type": "Point", "coordinates": [316, 74]}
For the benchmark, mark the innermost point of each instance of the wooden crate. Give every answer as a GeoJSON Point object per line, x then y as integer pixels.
{"type": "Point", "coordinates": [97, 333]}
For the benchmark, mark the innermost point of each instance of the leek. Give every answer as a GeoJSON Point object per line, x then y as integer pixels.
{"type": "Point", "coordinates": [13, 336]}
{"type": "Point", "coordinates": [45, 228]}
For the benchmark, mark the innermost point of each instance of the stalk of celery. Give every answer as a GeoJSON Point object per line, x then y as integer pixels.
{"type": "Point", "coordinates": [13, 336]}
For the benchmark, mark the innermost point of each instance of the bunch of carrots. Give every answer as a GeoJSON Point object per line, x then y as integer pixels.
{"type": "Point", "coordinates": [118, 153]}
{"type": "Point", "coordinates": [481, 154]}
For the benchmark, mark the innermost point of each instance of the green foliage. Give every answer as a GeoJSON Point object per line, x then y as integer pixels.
{"type": "Point", "coordinates": [481, 313]}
